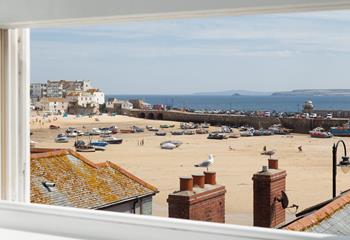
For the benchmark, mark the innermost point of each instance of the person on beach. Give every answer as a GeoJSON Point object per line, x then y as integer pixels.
{"type": "Point", "coordinates": [300, 148]}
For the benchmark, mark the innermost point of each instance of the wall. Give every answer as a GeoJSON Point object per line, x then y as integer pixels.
{"type": "Point", "coordinates": [298, 125]}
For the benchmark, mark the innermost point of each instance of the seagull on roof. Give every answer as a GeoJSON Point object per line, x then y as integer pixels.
{"type": "Point", "coordinates": [207, 162]}
{"type": "Point", "coordinates": [269, 153]}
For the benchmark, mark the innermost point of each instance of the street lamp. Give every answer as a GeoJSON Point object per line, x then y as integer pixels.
{"type": "Point", "coordinates": [344, 164]}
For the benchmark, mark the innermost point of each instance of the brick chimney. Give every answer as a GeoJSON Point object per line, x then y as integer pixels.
{"type": "Point", "coordinates": [204, 202]}
{"type": "Point", "coordinates": [268, 185]}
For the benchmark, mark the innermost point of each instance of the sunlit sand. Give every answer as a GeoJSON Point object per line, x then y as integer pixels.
{"type": "Point", "coordinates": [236, 160]}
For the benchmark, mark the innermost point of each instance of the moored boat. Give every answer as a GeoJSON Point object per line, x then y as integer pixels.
{"type": "Point", "coordinates": [175, 142]}
{"type": "Point", "coordinates": [160, 133]}
{"type": "Point", "coordinates": [113, 140]}
{"type": "Point", "coordinates": [202, 131]}
{"type": "Point", "coordinates": [85, 148]}
{"type": "Point", "coordinates": [61, 138]}
{"type": "Point", "coordinates": [217, 136]}
{"type": "Point", "coordinates": [189, 132]}
{"type": "Point", "coordinates": [320, 133]}
{"type": "Point", "coordinates": [177, 132]}
{"type": "Point", "coordinates": [99, 143]}
{"type": "Point", "coordinates": [343, 131]}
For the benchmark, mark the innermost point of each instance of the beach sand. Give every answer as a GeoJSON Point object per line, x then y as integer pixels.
{"type": "Point", "coordinates": [309, 173]}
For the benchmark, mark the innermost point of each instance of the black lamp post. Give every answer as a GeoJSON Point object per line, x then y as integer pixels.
{"type": "Point", "coordinates": [344, 164]}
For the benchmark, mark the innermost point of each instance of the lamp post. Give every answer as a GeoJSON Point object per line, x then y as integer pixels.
{"type": "Point", "coordinates": [344, 164]}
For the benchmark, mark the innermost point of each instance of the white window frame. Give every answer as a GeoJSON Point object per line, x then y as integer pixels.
{"type": "Point", "coordinates": [16, 16]}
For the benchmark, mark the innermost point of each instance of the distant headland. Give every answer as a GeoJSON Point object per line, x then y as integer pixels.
{"type": "Point", "coordinates": [297, 92]}
{"type": "Point", "coordinates": [314, 92]}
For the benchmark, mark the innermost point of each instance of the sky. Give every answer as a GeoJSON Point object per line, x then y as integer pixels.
{"type": "Point", "coordinates": [276, 52]}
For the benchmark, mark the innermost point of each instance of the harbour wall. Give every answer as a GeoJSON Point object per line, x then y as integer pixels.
{"type": "Point", "coordinates": [298, 125]}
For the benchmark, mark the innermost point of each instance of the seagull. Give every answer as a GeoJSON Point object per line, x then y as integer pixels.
{"type": "Point", "coordinates": [300, 148]}
{"type": "Point", "coordinates": [269, 153]}
{"type": "Point", "coordinates": [206, 163]}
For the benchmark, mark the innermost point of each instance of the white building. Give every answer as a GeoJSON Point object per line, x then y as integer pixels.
{"type": "Point", "coordinates": [116, 105]}
{"type": "Point", "coordinates": [53, 105]}
{"type": "Point", "coordinates": [92, 97]}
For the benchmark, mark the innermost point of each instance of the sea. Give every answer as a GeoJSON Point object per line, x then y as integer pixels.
{"type": "Point", "coordinates": [243, 103]}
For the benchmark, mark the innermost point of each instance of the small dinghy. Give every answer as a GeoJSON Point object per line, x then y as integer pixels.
{"type": "Point", "coordinates": [168, 146]}
{"type": "Point", "coordinates": [113, 140]}
{"type": "Point", "coordinates": [217, 136]}
{"type": "Point", "coordinates": [99, 143]}
{"type": "Point", "coordinates": [175, 142]}
{"type": "Point", "coordinates": [160, 133]}
{"type": "Point", "coordinates": [80, 146]}
{"type": "Point", "coordinates": [61, 138]}
{"type": "Point", "coordinates": [176, 133]}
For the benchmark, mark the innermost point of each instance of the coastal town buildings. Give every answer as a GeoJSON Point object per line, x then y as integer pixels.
{"type": "Point", "coordinates": [79, 97]}
{"type": "Point", "coordinates": [116, 106]}
{"type": "Point", "coordinates": [53, 105]}
{"type": "Point", "coordinates": [63, 177]}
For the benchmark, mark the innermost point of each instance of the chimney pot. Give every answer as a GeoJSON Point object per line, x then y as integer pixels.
{"type": "Point", "coordinates": [198, 180]}
{"type": "Point", "coordinates": [210, 178]}
{"type": "Point", "coordinates": [273, 163]}
{"type": "Point", "coordinates": [186, 183]}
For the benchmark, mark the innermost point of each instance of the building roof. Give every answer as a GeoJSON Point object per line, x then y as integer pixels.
{"type": "Point", "coordinates": [81, 183]}
{"type": "Point", "coordinates": [55, 99]}
{"type": "Point", "coordinates": [330, 217]}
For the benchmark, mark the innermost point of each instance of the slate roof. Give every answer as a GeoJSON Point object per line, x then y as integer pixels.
{"type": "Point", "coordinates": [332, 217]}
{"type": "Point", "coordinates": [81, 183]}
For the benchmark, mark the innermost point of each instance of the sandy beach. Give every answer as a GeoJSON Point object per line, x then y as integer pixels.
{"type": "Point", "coordinates": [309, 173]}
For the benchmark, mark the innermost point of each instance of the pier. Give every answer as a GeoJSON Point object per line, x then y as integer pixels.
{"type": "Point", "coordinates": [298, 125]}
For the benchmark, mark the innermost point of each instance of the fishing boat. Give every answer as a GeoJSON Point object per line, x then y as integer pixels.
{"type": "Point", "coordinates": [168, 146]}
{"type": "Point", "coordinates": [70, 129]}
{"type": "Point", "coordinates": [175, 142]}
{"type": "Point", "coordinates": [72, 134]}
{"type": "Point", "coordinates": [160, 133]}
{"type": "Point", "coordinates": [61, 138]}
{"type": "Point", "coordinates": [99, 143]}
{"type": "Point", "coordinates": [249, 132]}
{"type": "Point", "coordinates": [81, 146]}
{"type": "Point", "coordinates": [138, 129]}
{"type": "Point", "coordinates": [202, 131]}
{"type": "Point", "coordinates": [105, 131]}
{"type": "Point", "coordinates": [262, 132]}
{"type": "Point", "coordinates": [217, 136]}
{"type": "Point", "coordinates": [205, 125]}
{"type": "Point", "coordinates": [95, 131]}
{"type": "Point", "coordinates": [99, 148]}
{"type": "Point", "coordinates": [320, 133]}
{"type": "Point", "coordinates": [189, 132]}
{"type": "Point", "coordinates": [343, 131]}
{"type": "Point", "coordinates": [113, 140]}
{"type": "Point", "coordinates": [177, 133]}
{"type": "Point", "coordinates": [167, 126]}
{"type": "Point", "coordinates": [85, 148]}
{"type": "Point", "coordinates": [152, 129]}
{"type": "Point", "coordinates": [225, 129]}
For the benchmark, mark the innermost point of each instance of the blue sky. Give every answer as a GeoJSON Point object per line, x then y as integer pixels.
{"type": "Point", "coordinates": [266, 53]}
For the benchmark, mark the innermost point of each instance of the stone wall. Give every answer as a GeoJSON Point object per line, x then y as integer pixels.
{"type": "Point", "coordinates": [298, 125]}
